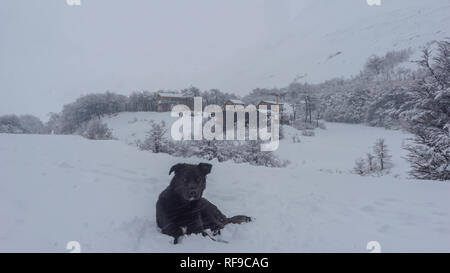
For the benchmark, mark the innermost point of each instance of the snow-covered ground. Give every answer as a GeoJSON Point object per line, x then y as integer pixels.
{"type": "Point", "coordinates": [132, 126]}
{"type": "Point", "coordinates": [56, 189]}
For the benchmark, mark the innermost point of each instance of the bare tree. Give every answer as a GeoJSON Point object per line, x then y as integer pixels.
{"type": "Point", "coordinates": [382, 154]}
{"type": "Point", "coordinates": [371, 165]}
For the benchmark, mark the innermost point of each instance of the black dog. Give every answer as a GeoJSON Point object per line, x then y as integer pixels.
{"type": "Point", "coordinates": [181, 209]}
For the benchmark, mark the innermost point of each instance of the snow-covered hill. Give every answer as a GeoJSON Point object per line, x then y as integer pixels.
{"type": "Point", "coordinates": [323, 39]}
{"type": "Point", "coordinates": [132, 126]}
{"type": "Point", "coordinates": [56, 189]}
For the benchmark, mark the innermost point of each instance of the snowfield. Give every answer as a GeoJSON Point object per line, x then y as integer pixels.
{"type": "Point", "coordinates": [56, 189]}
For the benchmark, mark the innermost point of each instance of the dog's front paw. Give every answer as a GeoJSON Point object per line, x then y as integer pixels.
{"type": "Point", "coordinates": [178, 236]}
{"type": "Point", "coordinates": [177, 240]}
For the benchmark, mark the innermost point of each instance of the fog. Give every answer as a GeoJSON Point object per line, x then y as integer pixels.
{"type": "Point", "coordinates": [51, 53]}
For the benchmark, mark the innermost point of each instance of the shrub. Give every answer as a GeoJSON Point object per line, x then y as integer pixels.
{"type": "Point", "coordinates": [238, 151]}
{"type": "Point", "coordinates": [95, 129]}
{"type": "Point", "coordinates": [296, 138]}
{"type": "Point", "coordinates": [378, 162]}
{"type": "Point", "coordinates": [11, 124]}
{"type": "Point", "coordinates": [155, 140]}
{"type": "Point", "coordinates": [308, 133]}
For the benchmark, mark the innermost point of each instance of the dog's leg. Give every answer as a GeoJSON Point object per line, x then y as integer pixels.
{"type": "Point", "coordinates": [179, 239]}
{"type": "Point", "coordinates": [174, 231]}
{"type": "Point", "coordinates": [212, 217]}
{"type": "Point", "coordinates": [215, 220]}
{"type": "Point", "coordinates": [196, 225]}
{"type": "Point", "coordinates": [214, 237]}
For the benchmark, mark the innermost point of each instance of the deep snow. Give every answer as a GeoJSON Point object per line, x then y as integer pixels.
{"type": "Point", "coordinates": [56, 189]}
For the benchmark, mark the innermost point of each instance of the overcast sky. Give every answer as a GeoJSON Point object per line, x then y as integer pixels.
{"type": "Point", "coordinates": [51, 53]}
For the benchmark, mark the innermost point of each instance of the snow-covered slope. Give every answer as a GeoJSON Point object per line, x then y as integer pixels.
{"type": "Point", "coordinates": [129, 127]}
{"type": "Point", "coordinates": [132, 126]}
{"type": "Point", "coordinates": [324, 39]}
{"type": "Point", "coordinates": [56, 189]}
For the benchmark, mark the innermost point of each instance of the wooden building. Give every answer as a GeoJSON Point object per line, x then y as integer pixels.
{"type": "Point", "coordinates": [234, 102]}
{"type": "Point", "coordinates": [269, 104]}
{"type": "Point", "coordinates": [166, 101]}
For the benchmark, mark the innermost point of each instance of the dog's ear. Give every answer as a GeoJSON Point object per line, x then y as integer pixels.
{"type": "Point", "coordinates": [205, 168]}
{"type": "Point", "coordinates": [176, 168]}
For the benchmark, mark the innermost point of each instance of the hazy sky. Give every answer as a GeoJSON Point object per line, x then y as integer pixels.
{"type": "Point", "coordinates": [51, 53]}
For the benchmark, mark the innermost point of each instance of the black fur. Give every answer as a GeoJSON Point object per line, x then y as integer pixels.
{"type": "Point", "coordinates": [181, 209]}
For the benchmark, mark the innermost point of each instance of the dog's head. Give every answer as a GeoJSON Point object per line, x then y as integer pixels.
{"type": "Point", "coordinates": [190, 180]}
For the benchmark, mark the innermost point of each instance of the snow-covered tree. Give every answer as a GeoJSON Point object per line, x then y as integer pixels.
{"type": "Point", "coordinates": [360, 166]}
{"type": "Point", "coordinates": [32, 124]}
{"type": "Point", "coordinates": [191, 92]}
{"type": "Point", "coordinates": [156, 140]}
{"type": "Point", "coordinates": [387, 107]}
{"type": "Point", "coordinates": [53, 125]}
{"type": "Point", "coordinates": [141, 102]}
{"type": "Point", "coordinates": [377, 162]}
{"type": "Point", "coordinates": [308, 133]}
{"type": "Point", "coordinates": [11, 124]}
{"type": "Point", "coordinates": [95, 129]}
{"type": "Point", "coordinates": [384, 67]}
{"type": "Point", "coordinates": [217, 97]}
{"type": "Point", "coordinates": [88, 107]}
{"type": "Point", "coordinates": [24, 124]}
{"type": "Point", "coordinates": [296, 138]}
{"type": "Point", "coordinates": [429, 120]}
{"type": "Point", "coordinates": [208, 149]}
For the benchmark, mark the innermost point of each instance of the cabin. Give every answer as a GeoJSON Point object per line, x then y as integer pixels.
{"type": "Point", "coordinates": [233, 102]}
{"type": "Point", "coordinates": [263, 102]}
{"type": "Point", "coordinates": [269, 104]}
{"type": "Point", "coordinates": [166, 101]}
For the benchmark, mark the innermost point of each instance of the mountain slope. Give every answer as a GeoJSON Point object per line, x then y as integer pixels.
{"type": "Point", "coordinates": [322, 39]}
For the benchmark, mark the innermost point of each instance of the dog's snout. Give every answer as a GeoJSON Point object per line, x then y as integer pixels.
{"type": "Point", "coordinates": [192, 194]}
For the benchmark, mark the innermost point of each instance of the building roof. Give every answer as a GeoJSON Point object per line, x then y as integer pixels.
{"type": "Point", "coordinates": [270, 102]}
{"type": "Point", "coordinates": [171, 95]}
{"type": "Point", "coordinates": [236, 102]}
